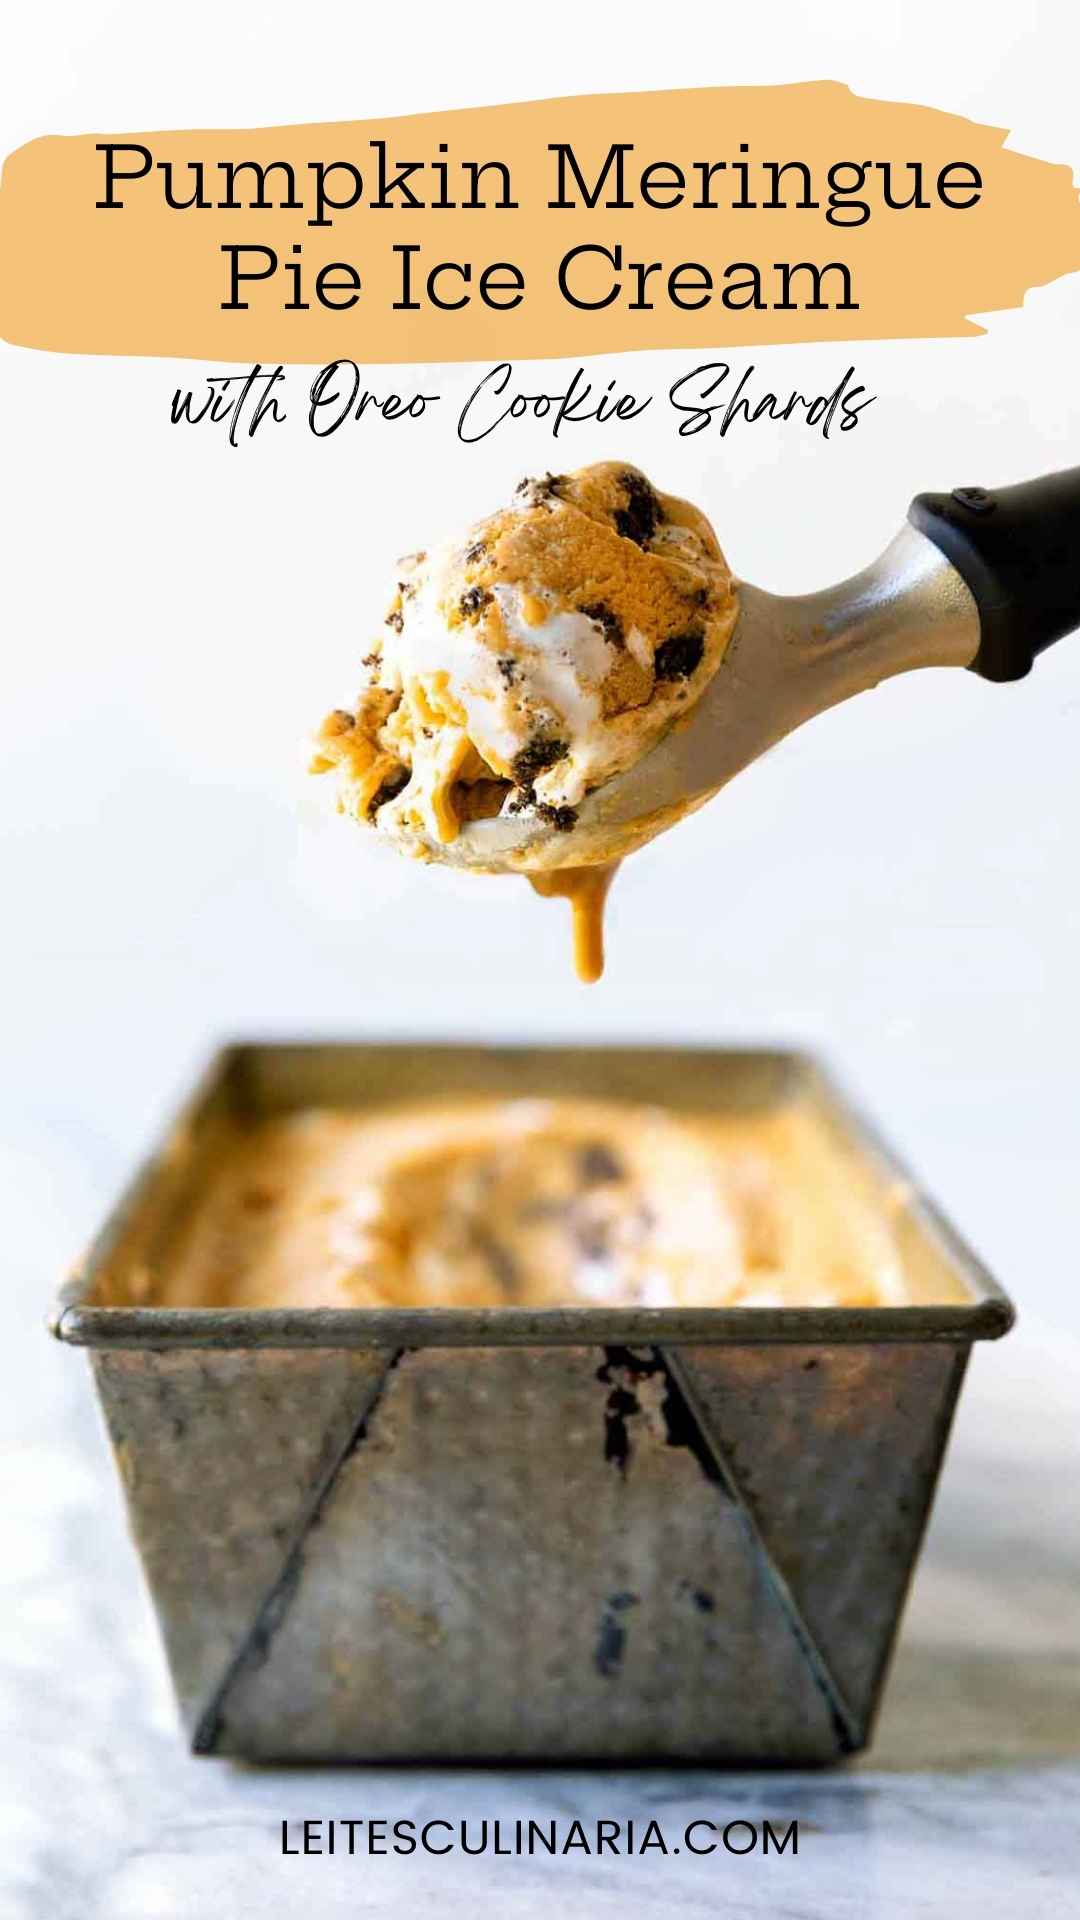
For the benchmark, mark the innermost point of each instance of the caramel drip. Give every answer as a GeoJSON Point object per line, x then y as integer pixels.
{"type": "Point", "coordinates": [586, 888]}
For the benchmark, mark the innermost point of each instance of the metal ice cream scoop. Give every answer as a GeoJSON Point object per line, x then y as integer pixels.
{"type": "Point", "coordinates": [974, 579]}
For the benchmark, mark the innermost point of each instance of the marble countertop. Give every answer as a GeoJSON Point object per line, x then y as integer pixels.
{"type": "Point", "coordinates": [966, 1802]}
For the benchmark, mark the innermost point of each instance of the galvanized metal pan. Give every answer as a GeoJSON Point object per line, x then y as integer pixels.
{"type": "Point", "coordinates": [566, 1535]}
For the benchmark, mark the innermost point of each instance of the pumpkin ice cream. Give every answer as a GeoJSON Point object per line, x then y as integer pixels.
{"type": "Point", "coordinates": [531, 660]}
{"type": "Point", "coordinates": [531, 1202]}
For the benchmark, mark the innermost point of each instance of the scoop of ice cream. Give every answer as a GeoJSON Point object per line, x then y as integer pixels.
{"type": "Point", "coordinates": [533, 658]}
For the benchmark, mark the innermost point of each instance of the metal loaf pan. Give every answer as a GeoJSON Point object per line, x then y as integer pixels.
{"type": "Point", "coordinates": [582, 1535]}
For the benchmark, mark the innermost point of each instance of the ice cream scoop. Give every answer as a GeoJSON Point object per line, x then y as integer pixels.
{"type": "Point", "coordinates": [974, 579]}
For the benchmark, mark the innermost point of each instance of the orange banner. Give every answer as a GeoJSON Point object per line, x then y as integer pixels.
{"type": "Point", "coordinates": [707, 218]}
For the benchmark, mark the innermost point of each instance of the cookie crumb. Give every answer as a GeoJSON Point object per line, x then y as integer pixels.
{"type": "Point", "coordinates": [607, 619]}
{"type": "Point", "coordinates": [536, 758]}
{"type": "Point", "coordinates": [563, 819]}
{"type": "Point", "coordinates": [599, 1165]}
{"type": "Point", "coordinates": [680, 656]}
{"type": "Point", "coordinates": [539, 492]}
{"type": "Point", "coordinates": [474, 600]}
{"type": "Point", "coordinates": [641, 516]}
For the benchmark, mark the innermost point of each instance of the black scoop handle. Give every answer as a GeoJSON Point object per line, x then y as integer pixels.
{"type": "Point", "coordinates": [1018, 549]}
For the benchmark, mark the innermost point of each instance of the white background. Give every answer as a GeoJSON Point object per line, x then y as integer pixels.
{"type": "Point", "coordinates": [897, 886]}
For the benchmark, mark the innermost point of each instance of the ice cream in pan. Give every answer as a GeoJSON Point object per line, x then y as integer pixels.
{"type": "Point", "coordinates": [575, 673]}
{"type": "Point", "coordinates": [533, 1202]}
